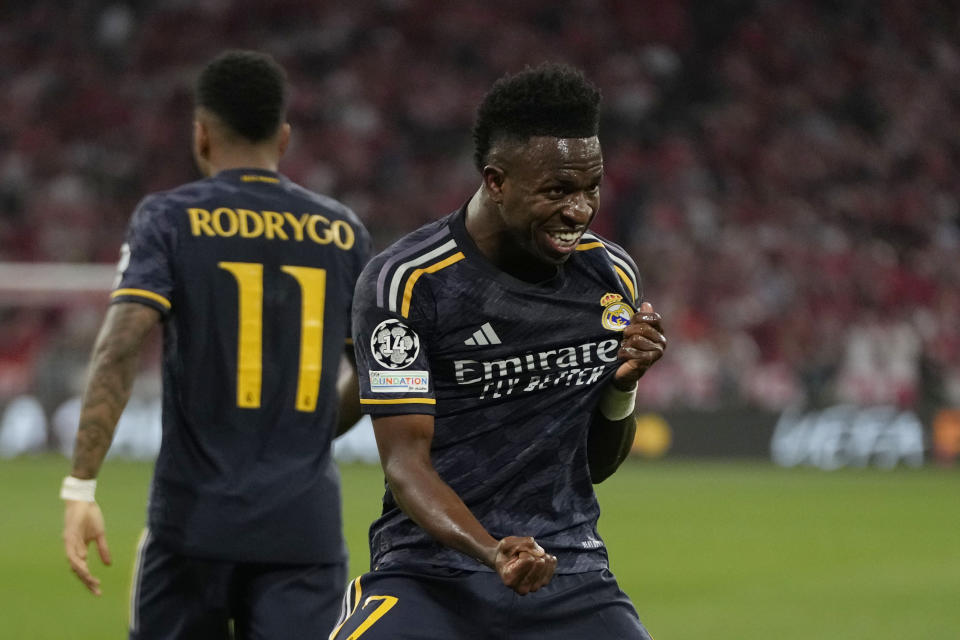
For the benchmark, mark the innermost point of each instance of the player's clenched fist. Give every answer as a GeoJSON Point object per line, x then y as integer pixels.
{"type": "Point", "coordinates": [523, 565]}
{"type": "Point", "coordinates": [643, 343]}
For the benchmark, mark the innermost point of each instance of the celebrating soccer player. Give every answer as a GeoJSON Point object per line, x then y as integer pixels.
{"type": "Point", "coordinates": [252, 277]}
{"type": "Point", "coordinates": [499, 351]}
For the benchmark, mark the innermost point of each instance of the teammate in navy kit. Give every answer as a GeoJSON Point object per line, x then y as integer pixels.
{"type": "Point", "coordinates": [499, 351]}
{"type": "Point", "coordinates": [252, 278]}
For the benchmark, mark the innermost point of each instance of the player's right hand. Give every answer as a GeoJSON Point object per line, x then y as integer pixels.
{"type": "Point", "coordinates": [523, 565]}
{"type": "Point", "coordinates": [643, 343]}
{"type": "Point", "coordinates": [82, 524]}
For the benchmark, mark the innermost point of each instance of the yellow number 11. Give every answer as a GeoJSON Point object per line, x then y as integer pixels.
{"type": "Point", "coordinates": [313, 286]}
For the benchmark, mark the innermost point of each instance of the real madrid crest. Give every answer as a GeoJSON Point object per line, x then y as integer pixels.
{"type": "Point", "coordinates": [616, 313]}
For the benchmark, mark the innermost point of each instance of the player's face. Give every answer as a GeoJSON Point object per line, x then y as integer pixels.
{"type": "Point", "coordinates": [550, 195]}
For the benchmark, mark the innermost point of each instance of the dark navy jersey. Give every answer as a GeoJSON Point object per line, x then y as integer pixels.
{"type": "Point", "coordinates": [255, 277]}
{"type": "Point", "coordinates": [512, 373]}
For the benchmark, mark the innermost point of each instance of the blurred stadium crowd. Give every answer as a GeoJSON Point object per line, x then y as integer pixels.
{"type": "Point", "coordinates": [785, 172]}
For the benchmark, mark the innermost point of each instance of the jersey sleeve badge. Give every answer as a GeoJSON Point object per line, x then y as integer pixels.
{"type": "Point", "coordinates": [394, 345]}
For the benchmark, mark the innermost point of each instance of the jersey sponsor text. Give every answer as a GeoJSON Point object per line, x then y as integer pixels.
{"type": "Point", "coordinates": [533, 371]}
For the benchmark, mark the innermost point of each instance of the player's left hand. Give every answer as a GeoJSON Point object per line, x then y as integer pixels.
{"type": "Point", "coordinates": [82, 524]}
{"type": "Point", "coordinates": [642, 344]}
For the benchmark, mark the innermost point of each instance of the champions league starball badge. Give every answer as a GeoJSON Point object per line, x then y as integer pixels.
{"type": "Point", "coordinates": [394, 344]}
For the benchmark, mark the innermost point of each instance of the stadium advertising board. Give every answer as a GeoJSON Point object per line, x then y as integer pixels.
{"type": "Point", "coordinates": [848, 436]}
{"type": "Point", "coordinates": [829, 438]}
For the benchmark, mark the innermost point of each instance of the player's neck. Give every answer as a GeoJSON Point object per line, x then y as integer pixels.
{"type": "Point", "coordinates": [247, 158]}
{"type": "Point", "coordinates": [497, 249]}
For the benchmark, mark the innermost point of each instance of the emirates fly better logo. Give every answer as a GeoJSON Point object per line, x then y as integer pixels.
{"type": "Point", "coordinates": [394, 344]}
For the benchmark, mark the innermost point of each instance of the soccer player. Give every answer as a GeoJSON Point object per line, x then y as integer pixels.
{"type": "Point", "coordinates": [499, 350]}
{"type": "Point", "coordinates": [252, 278]}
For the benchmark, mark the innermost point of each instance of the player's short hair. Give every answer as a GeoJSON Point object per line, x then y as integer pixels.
{"type": "Point", "coordinates": [549, 100]}
{"type": "Point", "coordinates": [247, 90]}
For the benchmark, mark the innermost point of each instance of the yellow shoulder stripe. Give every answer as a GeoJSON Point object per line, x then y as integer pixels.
{"type": "Point", "coordinates": [437, 266]}
{"type": "Point", "coordinates": [626, 280]}
{"type": "Point", "coordinates": [398, 401]}
{"type": "Point", "coordinates": [589, 245]}
{"type": "Point", "coordinates": [143, 293]}
{"type": "Point", "coordinates": [620, 272]}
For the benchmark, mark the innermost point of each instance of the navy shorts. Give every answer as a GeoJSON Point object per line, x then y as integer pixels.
{"type": "Point", "coordinates": [405, 604]}
{"type": "Point", "coordinates": [173, 596]}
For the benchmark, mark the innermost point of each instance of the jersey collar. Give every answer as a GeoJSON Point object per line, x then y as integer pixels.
{"type": "Point", "coordinates": [264, 176]}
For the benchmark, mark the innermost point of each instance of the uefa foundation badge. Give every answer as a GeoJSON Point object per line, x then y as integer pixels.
{"type": "Point", "coordinates": [616, 313]}
{"type": "Point", "coordinates": [394, 345]}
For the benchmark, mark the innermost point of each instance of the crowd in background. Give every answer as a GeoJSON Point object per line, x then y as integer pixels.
{"type": "Point", "coordinates": [785, 172]}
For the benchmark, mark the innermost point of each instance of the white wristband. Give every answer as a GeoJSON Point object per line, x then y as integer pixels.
{"type": "Point", "coordinates": [77, 489]}
{"type": "Point", "coordinates": [616, 404]}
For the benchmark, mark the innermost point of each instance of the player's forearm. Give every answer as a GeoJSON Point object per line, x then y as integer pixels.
{"type": "Point", "coordinates": [112, 372]}
{"type": "Point", "coordinates": [106, 395]}
{"type": "Point", "coordinates": [608, 445]}
{"type": "Point", "coordinates": [435, 507]}
{"type": "Point", "coordinates": [348, 390]}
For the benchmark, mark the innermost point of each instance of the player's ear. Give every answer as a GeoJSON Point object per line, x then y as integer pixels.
{"type": "Point", "coordinates": [201, 146]}
{"type": "Point", "coordinates": [201, 139]}
{"type": "Point", "coordinates": [283, 138]}
{"type": "Point", "coordinates": [493, 177]}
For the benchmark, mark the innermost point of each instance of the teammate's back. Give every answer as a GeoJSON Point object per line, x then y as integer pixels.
{"type": "Point", "coordinates": [252, 278]}
{"type": "Point", "coordinates": [257, 275]}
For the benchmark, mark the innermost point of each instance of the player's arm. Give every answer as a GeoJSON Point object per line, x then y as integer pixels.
{"type": "Point", "coordinates": [348, 389]}
{"type": "Point", "coordinates": [609, 445]}
{"type": "Point", "coordinates": [113, 368]}
{"type": "Point", "coordinates": [613, 426]}
{"type": "Point", "coordinates": [404, 445]}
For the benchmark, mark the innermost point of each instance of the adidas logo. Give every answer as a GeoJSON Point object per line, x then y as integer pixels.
{"type": "Point", "coordinates": [483, 336]}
